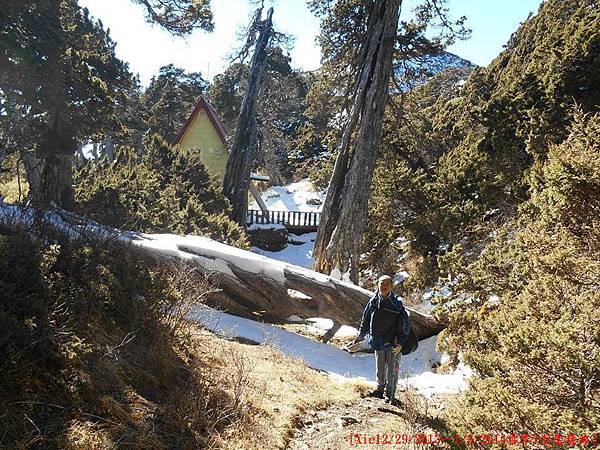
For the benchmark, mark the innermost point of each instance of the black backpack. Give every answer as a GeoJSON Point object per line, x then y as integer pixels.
{"type": "Point", "coordinates": [411, 343]}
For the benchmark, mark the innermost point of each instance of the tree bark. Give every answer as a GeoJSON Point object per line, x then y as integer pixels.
{"type": "Point", "coordinates": [344, 217]}
{"type": "Point", "coordinates": [33, 170]}
{"type": "Point", "coordinates": [243, 151]}
{"type": "Point", "coordinates": [109, 147]}
{"type": "Point", "coordinates": [56, 152]}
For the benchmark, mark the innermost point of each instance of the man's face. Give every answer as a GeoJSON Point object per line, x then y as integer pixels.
{"type": "Point", "coordinates": [385, 287]}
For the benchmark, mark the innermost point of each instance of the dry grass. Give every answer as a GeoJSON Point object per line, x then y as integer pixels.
{"type": "Point", "coordinates": [13, 186]}
{"type": "Point", "coordinates": [270, 391]}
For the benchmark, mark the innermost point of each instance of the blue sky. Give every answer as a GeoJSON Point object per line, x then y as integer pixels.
{"type": "Point", "coordinates": [146, 47]}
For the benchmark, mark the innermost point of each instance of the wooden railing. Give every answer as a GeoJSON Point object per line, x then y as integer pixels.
{"type": "Point", "coordinates": [292, 219]}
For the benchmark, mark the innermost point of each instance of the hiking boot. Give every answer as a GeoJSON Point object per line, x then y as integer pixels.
{"type": "Point", "coordinates": [392, 401]}
{"type": "Point", "coordinates": [376, 393]}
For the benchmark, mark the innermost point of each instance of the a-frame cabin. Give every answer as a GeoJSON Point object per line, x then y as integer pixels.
{"type": "Point", "coordinates": [204, 132]}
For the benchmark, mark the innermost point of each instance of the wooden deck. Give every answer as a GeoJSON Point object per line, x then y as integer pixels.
{"type": "Point", "coordinates": [294, 221]}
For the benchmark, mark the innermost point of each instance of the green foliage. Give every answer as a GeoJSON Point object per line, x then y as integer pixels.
{"type": "Point", "coordinates": [318, 169]}
{"type": "Point", "coordinates": [536, 346]}
{"type": "Point", "coordinates": [168, 191]}
{"type": "Point", "coordinates": [169, 100]}
{"type": "Point", "coordinates": [461, 155]}
{"type": "Point", "coordinates": [415, 176]}
{"type": "Point", "coordinates": [179, 17]}
{"type": "Point", "coordinates": [56, 56]}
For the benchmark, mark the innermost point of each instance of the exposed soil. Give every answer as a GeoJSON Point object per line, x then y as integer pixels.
{"type": "Point", "coordinates": [370, 423]}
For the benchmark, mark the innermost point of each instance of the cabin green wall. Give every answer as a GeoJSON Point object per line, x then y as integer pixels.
{"type": "Point", "coordinates": [201, 135]}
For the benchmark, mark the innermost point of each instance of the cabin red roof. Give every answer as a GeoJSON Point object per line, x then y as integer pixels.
{"type": "Point", "coordinates": [212, 115]}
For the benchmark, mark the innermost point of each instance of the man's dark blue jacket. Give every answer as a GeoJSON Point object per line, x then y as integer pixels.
{"type": "Point", "coordinates": [386, 321]}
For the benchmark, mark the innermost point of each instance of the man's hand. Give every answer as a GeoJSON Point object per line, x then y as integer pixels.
{"type": "Point", "coordinates": [397, 349]}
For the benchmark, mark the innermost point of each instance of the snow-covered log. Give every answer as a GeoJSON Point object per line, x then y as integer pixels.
{"type": "Point", "coordinates": [249, 285]}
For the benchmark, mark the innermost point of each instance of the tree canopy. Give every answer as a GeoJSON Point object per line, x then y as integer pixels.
{"type": "Point", "coordinates": [169, 99]}
{"type": "Point", "coordinates": [179, 17]}
{"type": "Point", "coordinates": [62, 84]}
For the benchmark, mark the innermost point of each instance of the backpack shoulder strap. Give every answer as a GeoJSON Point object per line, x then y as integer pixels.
{"type": "Point", "coordinates": [396, 302]}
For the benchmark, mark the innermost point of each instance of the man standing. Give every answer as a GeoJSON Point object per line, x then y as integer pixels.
{"type": "Point", "coordinates": [386, 321]}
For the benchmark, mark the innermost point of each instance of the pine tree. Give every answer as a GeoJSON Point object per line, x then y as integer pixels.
{"type": "Point", "coordinates": [279, 110]}
{"type": "Point", "coordinates": [169, 99]}
{"type": "Point", "coordinates": [61, 83]}
{"type": "Point", "coordinates": [535, 345]}
{"type": "Point", "coordinates": [343, 221]}
{"type": "Point", "coordinates": [345, 32]}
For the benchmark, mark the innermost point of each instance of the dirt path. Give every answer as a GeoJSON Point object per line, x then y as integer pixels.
{"type": "Point", "coordinates": [368, 423]}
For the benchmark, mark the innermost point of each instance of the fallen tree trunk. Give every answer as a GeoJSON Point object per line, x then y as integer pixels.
{"type": "Point", "coordinates": [249, 285]}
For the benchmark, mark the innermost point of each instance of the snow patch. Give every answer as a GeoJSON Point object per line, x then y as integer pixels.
{"type": "Point", "coordinates": [415, 369]}
{"type": "Point", "coordinates": [297, 294]}
{"type": "Point", "coordinates": [214, 255]}
{"type": "Point", "coordinates": [298, 250]}
{"type": "Point", "coordinates": [320, 324]}
{"type": "Point", "coordinates": [337, 274]}
{"type": "Point", "coordinates": [399, 277]}
{"type": "Point", "coordinates": [266, 226]}
{"type": "Point", "coordinates": [299, 196]}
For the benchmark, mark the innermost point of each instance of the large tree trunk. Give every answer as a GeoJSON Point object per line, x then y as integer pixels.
{"type": "Point", "coordinates": [249, 285]}
{"type": "Point", "coordinates": [56, 155]}
{"type": "Point", "coordinates": [344, 217]}
{"type": "Point", "coordinates": [243, 151]}
{"type": "Point", "coordinates": [58, 146]}
{"type": "Point", "coordinates": [50, 170]}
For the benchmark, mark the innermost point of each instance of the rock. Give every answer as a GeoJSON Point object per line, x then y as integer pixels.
{"type": "Point", "coordinates": [272, 240]}
{"type": "Point", "coordinates": [344, 421]}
